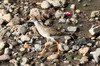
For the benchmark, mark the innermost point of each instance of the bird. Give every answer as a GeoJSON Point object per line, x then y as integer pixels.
{"type": "Point", "coordinates": [49, 32]}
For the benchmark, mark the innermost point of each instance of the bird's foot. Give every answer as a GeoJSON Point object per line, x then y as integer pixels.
{"type": "Point", "coordinates": [41, 53]}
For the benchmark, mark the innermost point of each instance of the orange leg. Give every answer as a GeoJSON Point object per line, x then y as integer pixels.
{"type": "Point", "coordinates": [43, 51]}
{"type": "Point", "coordinates": [59, 52]}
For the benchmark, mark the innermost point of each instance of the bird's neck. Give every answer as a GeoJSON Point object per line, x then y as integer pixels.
{"type": "Point", "coordinates": [37, 24]}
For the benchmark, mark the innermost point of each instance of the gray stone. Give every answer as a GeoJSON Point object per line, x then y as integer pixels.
{"type": "Point", "coordinates": [15, 21]}
{"type": "Point", "coordinates": [37, 47]}
{"type": "Point", "coordinates": [52, 57]}
{"type": "Point", "coordinates": [58, 13]}
{"type": "Point", "coordinates": [96, 54]}
{"type": "Point", "coordinates": [84, 59]}
{"type": "Point", "coordinates": [95, 13]}
{"type": "Point", "coordinates": [7, 17]}
{"type": "Point", "coordinates": [4, 57]}
{"type": "Point", "coordinates": [75, 47]}
{"type": "Point", "coordinates": [24, 61]}
{"type": "Point", "coordinates": [13, 61]}
{"type": "Point", "coordinates": [63, 47]}
{"type": "Point", "coordinates": [72, 28]}
{"type": "Point", "coordinates": [45, 4]}
{"type": "Point", "coordinates": [94, 30]}
{"type": "Point", "coordinates": [1, 20]}
{"type": "Point", "coordinates": [57, 3]}
{"type": "Point", "coordinates": [42, 64]}
{"type": "Point", "coordinates": [6, 51]}
{"type": "Point", "coordinates": [25, 38]}
{"type": "Point", "coordinates": [2, 44]}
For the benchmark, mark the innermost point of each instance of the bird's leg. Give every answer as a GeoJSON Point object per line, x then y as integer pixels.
{"type": "Point", "coordinates": [59, 52]}
{"type": "Point", "coordinates": [43, 51]}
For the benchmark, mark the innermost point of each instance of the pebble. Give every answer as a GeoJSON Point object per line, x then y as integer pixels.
{"type": "Point", "coordinates": [37, 47]}
{"type": "Point", "coordinates": [42, 64]}
{"type": "Point", "coordinates": [52, 57]}
{"type": "Point", "coordinates": [75, 47]}
{"type": "Point", "coordinates": [24, 61]}
{"type": "Point", "coordinates": [22, 49]}
{"type": "Point", "coordinates": [95, 13]}
{"type": "Point", "coordinates": [58, 14]}
{"type": "Point", "coordinates": [72, 28]}
{"type": "Point", "coordinates": [13, 61]}
{"type": "Point", "coordinates": [84, 50]}
{"type": "Point", "coordinates": [1, 21]}
{"type": "Point", "coordinates": [7, 17]}
{"type": "Point", "coordinates": [4, 57]}
{"type": "Point", "coordinates": [6, 51]}
{"type": "Point", "coordinates": [14, 21]}
{"type": "Point", "coordinates": [74, 21]}
{"type": "Point", "coordinates": [89, 44]}
{"type": "Point", "coordinates": [94, 30]}
{"type": "Point", "coordinates": [78, 11]}
{"type": "Point", "coordinates": [2, 44]}
{"type": "Point", "coordinates": [45, 4]}
{"type": "Point", "coordinates": [96, 54]}
{"type": "Point", "coordinates": [34, 12]}
{"type": "Point", "coordinates": [6, 1]}
{"type": "Point", "coordinates": [2, 10]}
{"type": "Point", "coordinates": [84, 59]}
{"type": "Point", "coordinates": [25, 38]}
{"type": "Point", "coordinates": [63, 47]}
{"type": "Point", "coordinates": [72, 6]}
{"type": "Point", "coordinates": [91, 19]}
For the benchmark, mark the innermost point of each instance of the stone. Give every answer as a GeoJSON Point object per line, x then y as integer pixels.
{"type": "Point", "coordinates": [72, 6]}
{"type": "Point", "coordinates": [95, 13]}
{"type": "Point", "coordinates": [74, 21]}
{"type": "Point", "coordinates": [4, 57]}
{"type": "Point", "coordinates": [91, 19]}
{"type": "Point", "coordinates": [89, 44]}
{"type": "Point", "coordinates": [48, 22]}
{"type": "Point", "coordinates": [58, 13]}
{"type": "Point", "coordinates": [82, 41]}
{"type": "Point", "coordinates": [1, 20]}
{"type": "Point", "coordinates": [7, 17]}
{"type": "Point", "coordinates": [25, 38]}
{"type": "Point", "coordinates": [62, 20]}
{"type": "Point", "coordinates": [72, 28]}
{"type": "Point", "coordinates": [57, 3]}
{"type": "Point", "coordinates": [37, 47]}
{"type": "Point", "coordinates": [13, 61]}
{"type": "Point", "coordinates": [14, 21]}
{"type": "Point", "coordinates": [94, 30]}
{"type": "Point", "coordinates": [22, 49]}
{"type": "Point", "coordinates": [24, 61]}
{"type": "Point", "coordinates": [78, 11]}
{"type": "Point", "coordinates": [45, 4]}
{"type": "Point", "coordinates": [6, 51]}
{"type": "Point", "coordinates": [63, 47]}
{"type": "Point", "coordinates": [52, 57]}
{"type": "Point", "coordinates": [42, 64]}
{"type": "Point", "coordinates": [34, 12]}
{"type": "Point", "coordinates": [84, 59]}
{"type": "Point", "coordinates": [75, 47]}
{"type": "Point", "coordinates": [6, 1]}
{"type": "Point", "coordinates": [96, 54]}
{"type": "Point", "coordinates": [2, 10]}
{"type": "Point", "coordinates": [2, 44]}
{"type": "Point", "coordinates": [84, 50]}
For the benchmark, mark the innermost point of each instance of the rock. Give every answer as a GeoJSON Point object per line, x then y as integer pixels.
{"type": "Point", "coordinates": [34, 12]}
{"type": "Point", "coordinates": [63, 47]}
{"type": "Point", "coordinates": [96, 54]}
{"type": "Point", "coordinates": [4, 57]}
{"type": "Point", "coordinates": [6, 51]}
{"type": "Point", "coordinates": [72, 6]}
{"type": "Point", "coordinates": [84, 50]}
{"type": "Point", "coordinates": [74, 21]}
{"type": "Point", "coordinates": [52, 57]}
{"type": "Point", "coordinates": [57, 3]}
{"type": "Point", "coordinates": [37, 47]}
{"type": "Point", "coordinates": [81, 41]}
{"type": "Point", "coordinates": [1, 20]}
{"type": "Point", "coordinates": [2, 44]}
{"type": "Point", "coordinates": [95, 13]}
{"type": "Point", "coordinates": [25, 38]}
{"type": "Point", "coordinates": [13, 61]}
{"type": "Point", "coordinates": [89, 44]}
{"type": "Point", "coordinates": [62, 20]}
{"type": "Point", "coordinates": [24, 61]}
{"type": "Point", "coordinates": [7, 17]}
{"type": "Point", "coordinates": [42, 64]}
{"type": "Point", "coordinates": [6, 1]}
{"type": "Point", "coordinates": [45, 4]}
{"type": "Point", "coordinates": [78, 11]}
{"type": "Point", "coordinates": [75, 47]}
{"type": "Point", "coordinates": [94, 30]}
{"type": "Point", "coordinates": [83, 59]}
{"type": "Point", "coordinates": [15, 21]}
{"type": "Point", "coordinates": [91, 19]}
{"type": "Point", "coordinates": [72, 28]}
{"type": "Point", "coordinates": [2, 10]}
{"type": "Point", "coordinates": [58, 13]}
{"type": "Point", "coordinates": [22, 49]}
